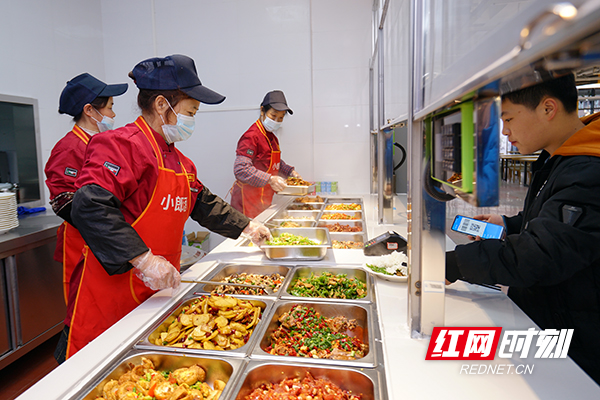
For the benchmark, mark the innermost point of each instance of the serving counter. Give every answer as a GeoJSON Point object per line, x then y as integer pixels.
{"type": "Point", "coordinates": [400, 360]}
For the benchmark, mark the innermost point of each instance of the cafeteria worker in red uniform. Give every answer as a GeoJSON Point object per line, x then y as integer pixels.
{"type": "Point", "coordinates": [135, 192]}
{"type": "Point", "coordinates": [89, 101]}
{"type": "Point", "coordinates": [258, 168]}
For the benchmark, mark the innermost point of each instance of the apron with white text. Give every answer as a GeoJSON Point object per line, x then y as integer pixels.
{"type": "Point", "coordinates": [102, 300]}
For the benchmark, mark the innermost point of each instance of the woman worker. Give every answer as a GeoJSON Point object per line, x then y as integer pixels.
{"type": "Point", "coordinates": [258, 167]}
{"type": "Point", "coordinates": [135, 192]}
{"type": "Point", "coordinates": [89, 101]}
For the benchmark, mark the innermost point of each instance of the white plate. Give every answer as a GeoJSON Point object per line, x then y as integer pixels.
{"type": "Point", "coordinates": [391, 278]}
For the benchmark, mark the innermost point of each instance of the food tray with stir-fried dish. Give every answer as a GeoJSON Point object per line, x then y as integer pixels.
{"type": "Point", "coordinates": [347, 240]}
{"type": "Point", "coordinates": [299, 244]}
{"type": "Point", "coordinates": [335, 333]}
{"type": "Point", "coordinates": [348, 226]}
{"type": "Point", "coordinates": [297, 187]}
{"type": "Point", "coordinates": [213, 324]}
{"type": "Point", "coordinates": [310, 199]}
{"type": "Point", "coordinates": [329, 283]}
{"type": "Point", "coordinates": [311, 215]}
{"type": "Point", "coordinates": [340, 215]}
{"type": "Point", "coordinates": [272, 276]}
{"type": "Point", "coordinates": [159, 375]}
{"type": "Point", "coordinates": [291, 223]}
{"type": "Point", "coordinates": [343, 207]}
{"type": "Point", "coordinates": [262, 380]}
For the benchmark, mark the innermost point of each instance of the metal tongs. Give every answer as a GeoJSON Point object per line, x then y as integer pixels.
{"type": "Point", "coordinates": [268, 290]}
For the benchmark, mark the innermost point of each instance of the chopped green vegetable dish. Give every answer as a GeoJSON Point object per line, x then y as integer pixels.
{"type": "Point", "coordinates": [329, 285]}
{"type": "Point", "coordinates": [288, 239]}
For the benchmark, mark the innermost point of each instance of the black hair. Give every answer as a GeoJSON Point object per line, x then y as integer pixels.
{"type": "Point", "coordinates": [563, 89]}
{"type": "Point", "coordinates": [97, 103]}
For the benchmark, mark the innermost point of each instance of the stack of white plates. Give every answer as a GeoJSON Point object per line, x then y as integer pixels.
{"type": "Point", "coordinates": [8, 212]}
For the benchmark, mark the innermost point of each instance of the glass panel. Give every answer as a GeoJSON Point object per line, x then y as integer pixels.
{"type": "Point", "coordinates": [453, 28]}
{"type": "Point", "coordinates": [396, 59]}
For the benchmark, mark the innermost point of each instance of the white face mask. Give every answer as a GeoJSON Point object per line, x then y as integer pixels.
{"type": "Point", "coordinates": [106, 124]}
{"type": "Point", "coordinates": [271, 125]}
{"type": "Point", "coordinates": [182, 131]}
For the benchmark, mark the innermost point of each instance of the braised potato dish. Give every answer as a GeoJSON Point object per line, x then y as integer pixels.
{"type": "Point", "coordinates": [214, 322]}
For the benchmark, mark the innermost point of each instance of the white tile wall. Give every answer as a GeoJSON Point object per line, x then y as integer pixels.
{"type": "Point", "coordinates": [317, 52]}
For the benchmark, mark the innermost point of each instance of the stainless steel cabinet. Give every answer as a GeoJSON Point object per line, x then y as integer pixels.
{"type": "Point", "coordinates": [32, 306]}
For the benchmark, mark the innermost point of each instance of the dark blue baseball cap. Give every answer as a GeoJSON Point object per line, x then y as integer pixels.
{"type": "Point", "coordinates": [172, 73]}
{"type": "Point", "coordinates": [84, 89]}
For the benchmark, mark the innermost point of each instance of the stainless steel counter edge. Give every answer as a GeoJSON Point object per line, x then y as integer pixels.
{"type": "Point", "coordinates": [407, 372]}
{"type": "Point", "coordinates": [32, 229]}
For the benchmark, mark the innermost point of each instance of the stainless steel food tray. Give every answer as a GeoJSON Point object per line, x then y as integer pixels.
{"type": "Point", "coordinates": [297, 190]}
{"type": "Point", "coordinates": [227, 370]}
{"type": "Point", "coordinates": [312, 215]}
{"type": "Point", "coordinates": [351, 272]}
{"type": "Point", "coordinates": [304, 206]}
{"type": "Point", "coordinates": [356, 215]}
{"type": "Point", "coordinates": [370, 382]}
{"type": "Point", "coordinates": [347, 236]}
{"type": "Point", "coordinates": [359, 223]}
{"type": "Point", "coordinates": [224, 270]}
{"type": "Point", "coordinates": [299, 253]}
{"type": "Point", "coordinates": [168, 317]}
{"type": "Point", "coordinates": [303, 223]}
{"type": "Point", "coordinates": [365, 315]}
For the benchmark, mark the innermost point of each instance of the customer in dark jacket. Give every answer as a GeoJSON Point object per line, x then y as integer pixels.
{"type": "Point", "coordinates": [550, 257]}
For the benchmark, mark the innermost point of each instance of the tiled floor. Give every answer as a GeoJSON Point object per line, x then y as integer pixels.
{"type": "Point", "coordinates": [23, 373]}
{"type": "Point", "coordinates": [512, 196]}
{"type": "Point", "coordinates": [27, 370]}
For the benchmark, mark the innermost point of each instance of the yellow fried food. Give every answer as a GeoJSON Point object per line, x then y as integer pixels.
{"type": "Point", "coordinates": [214, 322]}
{"type": "Point", "coordinates": [143, 381]}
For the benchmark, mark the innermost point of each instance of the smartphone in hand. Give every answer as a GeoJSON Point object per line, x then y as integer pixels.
{"type": "Point", "coordinates": [475, 227]}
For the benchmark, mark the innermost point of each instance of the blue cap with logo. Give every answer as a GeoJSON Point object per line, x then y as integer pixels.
{"type": "Point", "coordinates": [175, 72]}
{"type": "Point", "coordinates": [84, 89]}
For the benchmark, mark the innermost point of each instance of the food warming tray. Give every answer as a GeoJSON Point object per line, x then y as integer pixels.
{"type": "Point", "coordinates": [224, 270]}
{"type": "Point", "coordinates": [351, 272]}
{"type": "Point", "coordinates": [366, 319]}
{"type": "Point", "coordinates": [299, 253]}
{"type": "Point", "coordinates": [297, 190]}
{"type": "Point", "coordinates": [227, 370]}
{"type": "Point", "coordinates": [347, 236]}
{"type": "Point", "coordinates": [163, 322]}
{"type": "Point", "coordinates": [370, 382]}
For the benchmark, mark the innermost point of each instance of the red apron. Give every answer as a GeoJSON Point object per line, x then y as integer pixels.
{"type": "Point", "coordinates": [252, 200]}
{"type": "Point", "coordinates": [69, 236]}
{"type": "Point", "coordinates": [102, 300]}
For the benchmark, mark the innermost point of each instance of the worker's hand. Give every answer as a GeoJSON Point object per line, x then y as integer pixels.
{"type": "Point", "coordinates": [156, 272]}
{"type": "Point", "coordinates": [277, 183]}
{"type": "Point", "coordinates": [257, 232]}
{"type": "Point", "coordinates": [295, 174]}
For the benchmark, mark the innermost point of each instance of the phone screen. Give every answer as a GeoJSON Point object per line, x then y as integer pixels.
{"type": "Point", "coordinates": [475, 227]}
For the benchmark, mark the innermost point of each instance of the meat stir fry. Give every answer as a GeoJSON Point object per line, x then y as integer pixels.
{"type": "Point", "coordinates": [303, 332]}
{"type": "Point", "coordinates": [305, 388]}
{"type": "Point", "coordinates": [303, 206]}
{"type": "Point", "coordinates": [145, 382]}
{"type": "Point", "coordinates": [308, 199]}
{"type": "Point", "coordinates": [337, 227]}
{"type": "Point", "coordinates": [348, 244]}
{"type": "Point", "coordinates": [291, 181]}
{"type": "Point", "coordinates": [273, 281]}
